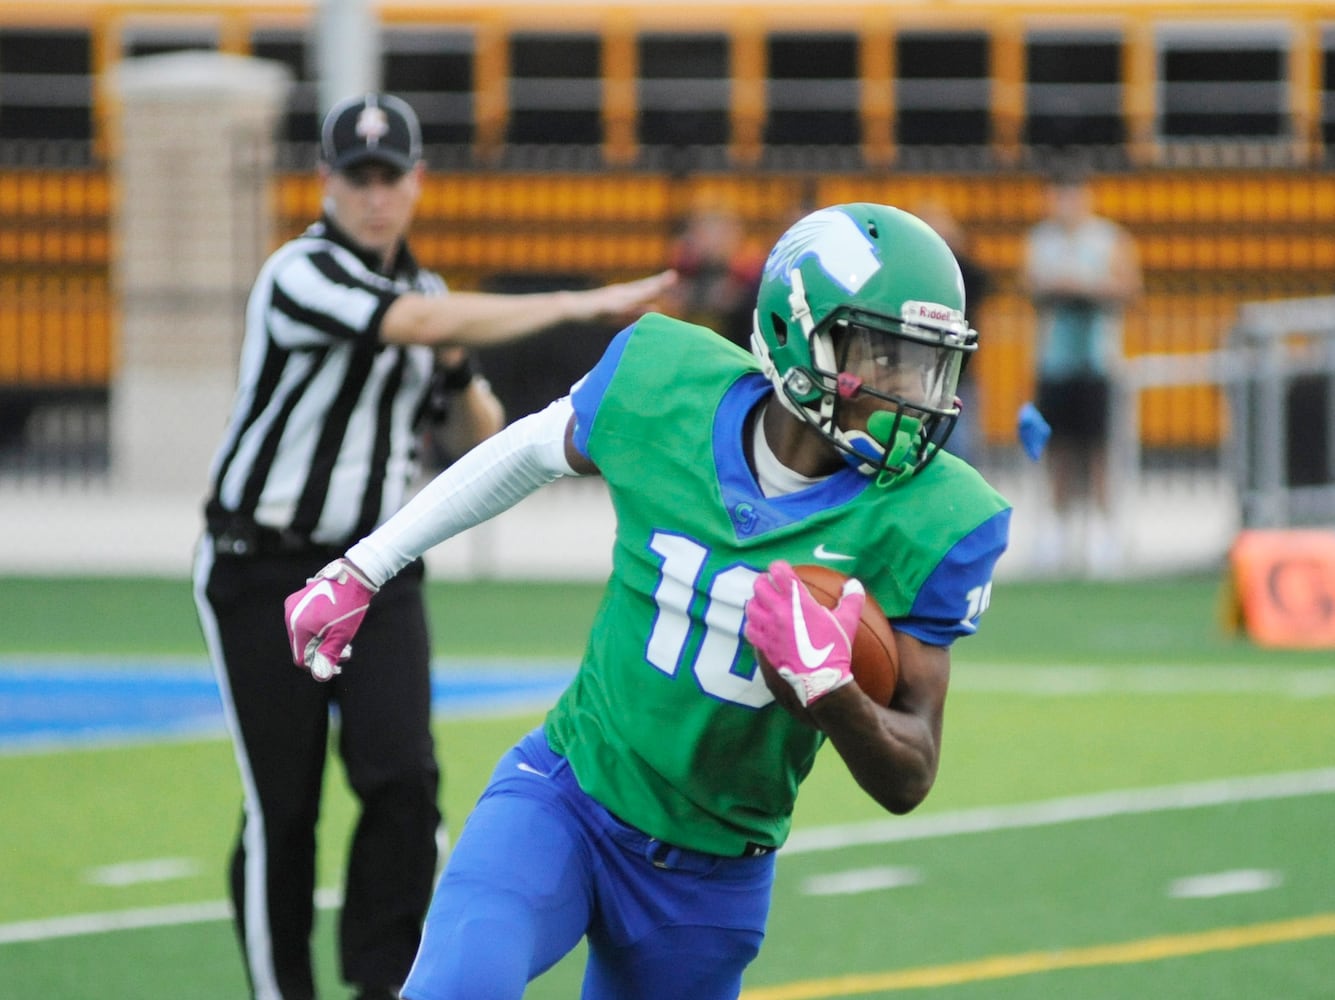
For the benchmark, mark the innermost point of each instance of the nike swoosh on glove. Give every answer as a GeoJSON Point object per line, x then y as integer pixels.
{"type": "Point", "coordinates": [809, 645]}
{"type": "Point", "coordinates": [323, 616]}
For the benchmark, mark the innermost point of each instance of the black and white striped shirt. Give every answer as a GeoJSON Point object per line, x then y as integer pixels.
{"type": "Point", "coordinates": [321, 444]}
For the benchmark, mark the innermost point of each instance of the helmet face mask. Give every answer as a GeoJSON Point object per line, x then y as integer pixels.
{"type": "Point", "coordinates": [896, 368]}
{"type": "Point", "coordinates": [860, 327]}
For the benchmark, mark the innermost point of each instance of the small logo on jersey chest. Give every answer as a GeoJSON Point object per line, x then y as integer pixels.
{"type": "Point", "coordinates": [821, 552]}
{"type": "Point", "coordinates": [744, 518]}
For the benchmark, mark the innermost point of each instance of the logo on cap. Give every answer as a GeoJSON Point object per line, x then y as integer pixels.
{"type": "Point", "coordinates": [372, 125]}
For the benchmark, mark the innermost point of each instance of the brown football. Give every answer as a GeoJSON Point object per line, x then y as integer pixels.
{"type": "Point", "coordinates": [875, 656]}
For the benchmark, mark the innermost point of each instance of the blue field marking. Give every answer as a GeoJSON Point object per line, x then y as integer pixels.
{"type": "Point", "coordinates": [60, 702]}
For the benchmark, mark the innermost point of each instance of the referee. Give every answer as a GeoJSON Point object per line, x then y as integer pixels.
{"type": "Point", "coordinates": [351, 352]}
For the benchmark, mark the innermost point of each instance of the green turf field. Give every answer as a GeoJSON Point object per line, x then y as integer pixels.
{"type": "Point", "coordinates": [1131, 803]}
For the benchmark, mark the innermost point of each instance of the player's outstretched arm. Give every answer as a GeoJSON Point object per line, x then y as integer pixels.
{"type": "Point", "coordinates": [323, 616]}
{"type": "Point", "coordinates": [486, 481]}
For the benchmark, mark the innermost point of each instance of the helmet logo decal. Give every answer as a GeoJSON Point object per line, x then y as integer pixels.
{"type": "Point", "coordinates": [841, 249]}
{"type": "Point", "coordinates": [933, 315]}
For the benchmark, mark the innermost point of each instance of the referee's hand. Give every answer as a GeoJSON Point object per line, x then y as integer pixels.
{"type": "Point", "coordinates": [624, 300]}
{"type": "Point", "coordinates": [323, 616]}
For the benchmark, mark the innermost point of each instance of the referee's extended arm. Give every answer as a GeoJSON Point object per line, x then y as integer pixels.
{"type": "Point", "coordinates": [482, 319]}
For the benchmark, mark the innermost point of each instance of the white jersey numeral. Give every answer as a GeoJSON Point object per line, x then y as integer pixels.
{"type": "Point", "coordinates": [979, 599]}
{"type": "Point", "coordinates": [715, 659]}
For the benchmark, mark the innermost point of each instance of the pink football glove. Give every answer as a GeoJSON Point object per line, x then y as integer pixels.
{"type": "Point", "coordinates": [809, 645]}
{"type": "Point", "coordinates": [324, 615]}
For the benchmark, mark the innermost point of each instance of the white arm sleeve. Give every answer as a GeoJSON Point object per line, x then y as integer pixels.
{"type": "Point", "coordinates": [489, 479]}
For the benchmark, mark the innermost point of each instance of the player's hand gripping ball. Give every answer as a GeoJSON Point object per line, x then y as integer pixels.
{"type": "Point", "coordinates": [874, 658]}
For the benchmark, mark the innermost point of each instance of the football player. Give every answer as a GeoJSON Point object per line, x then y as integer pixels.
{"type": "Point", "coordinates": [644, 814]}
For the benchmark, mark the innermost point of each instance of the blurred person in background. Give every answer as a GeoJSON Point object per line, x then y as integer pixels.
{"type": "Point", "coordinates": [966, 439]}
{"type": "Point", "coordinates": [1081, 271]}
{"type": "Point", "coordinates": [351, 350]}
{"type": "Point", "coordinates": [718, 274]}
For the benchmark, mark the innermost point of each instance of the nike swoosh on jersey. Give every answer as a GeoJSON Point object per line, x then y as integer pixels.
{"type": "Point", "coordinates": [810, 656]}
{"type": "Point", "coordinates": [523, 766]}
{"type": "Point", "coordinates": [322, 589]}
{"type": "Point", "coordinates": [821, 552]}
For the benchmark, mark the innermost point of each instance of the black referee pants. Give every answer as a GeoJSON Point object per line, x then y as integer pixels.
{"type": "Point", "coordinates": [279, 719]}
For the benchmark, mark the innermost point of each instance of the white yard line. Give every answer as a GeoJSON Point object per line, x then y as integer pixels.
{"type": "Point", "coordinates": [137, 872]}
{"type": "Point", "coordinates": [827, 838]}
{"type": "Point", "coordinates": [860, 880]}
{"type": "Point", "coordinates": [1231, 883]}
{"type": "Point", "coordinates": [1068, 681]}
{"type": "Point", "coordinates": [120, 920]}
{"type": "Point", "coordinates": [1102, 805]}
{"type": "Point", "coordinates": [125, 920]}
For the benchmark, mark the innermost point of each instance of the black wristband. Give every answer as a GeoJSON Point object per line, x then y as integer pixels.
{"type": "Point", "coordinates": [458, 377]}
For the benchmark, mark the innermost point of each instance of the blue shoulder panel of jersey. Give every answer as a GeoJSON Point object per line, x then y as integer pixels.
{"type": "Point", "coordinates": [588, 393]}
{"type": "Point", "coordinates": [752, 512]}
{"type": "Point", "coordinates": [955, 594]}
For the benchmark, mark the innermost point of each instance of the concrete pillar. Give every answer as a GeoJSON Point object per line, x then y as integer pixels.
{"type": "Point", "coordinates": [347, 50]}
{"type": "Point", "coordinates": [192, 223]}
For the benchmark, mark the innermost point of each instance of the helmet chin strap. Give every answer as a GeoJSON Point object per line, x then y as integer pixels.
{"type": "Point", "coordinates": [897, 432]}
{"type": "Point", "coordinates": [886, 446]}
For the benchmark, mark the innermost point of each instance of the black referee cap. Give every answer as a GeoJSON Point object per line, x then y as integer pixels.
{"type": "Point", "coordinates": [371, 128]}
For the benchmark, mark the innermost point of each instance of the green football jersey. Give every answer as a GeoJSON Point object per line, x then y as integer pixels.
{"type": "Point", "coordinates": [668, 722]}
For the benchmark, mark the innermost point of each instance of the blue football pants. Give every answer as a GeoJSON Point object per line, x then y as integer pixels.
{"type": "Point", "coordinates": [539, 865]}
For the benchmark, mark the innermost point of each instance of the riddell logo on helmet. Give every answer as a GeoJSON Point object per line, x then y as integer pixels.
{"type": "Point", "coordinates": [931, 314]}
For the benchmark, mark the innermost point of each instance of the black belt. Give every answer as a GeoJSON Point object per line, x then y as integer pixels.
{"type": "Point", "coordinates": [754, 850]}
{"type": "Point", "coordinates": [247, 540]}
{"type": "Point", "coordinates": [664, 855]}
{"type": "Point", "coordinates": [659, 849]}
